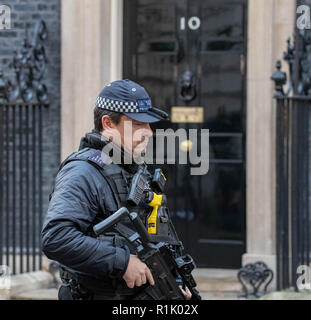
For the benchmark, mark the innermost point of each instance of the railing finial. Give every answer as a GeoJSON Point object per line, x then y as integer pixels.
{"type": "Point", "coordinates": [29, 64]}
{"type": "Point", "coordinates": [279, 79]}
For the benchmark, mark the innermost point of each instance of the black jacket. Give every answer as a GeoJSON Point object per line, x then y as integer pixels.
{"type": "Point", "coordinates": [80, 194]}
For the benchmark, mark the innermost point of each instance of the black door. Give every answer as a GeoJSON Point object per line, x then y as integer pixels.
{"type": "Point", "coordinates": [167, 42]}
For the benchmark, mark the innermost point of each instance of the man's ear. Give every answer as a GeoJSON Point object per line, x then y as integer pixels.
{"type": "Point", "coordinates": [110, 130]}
{"type": "Point", "coordinates": [106, 122]}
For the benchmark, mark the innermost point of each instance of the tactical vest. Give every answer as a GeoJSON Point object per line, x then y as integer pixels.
{"type": "Point", "coordinates": [119, 181]}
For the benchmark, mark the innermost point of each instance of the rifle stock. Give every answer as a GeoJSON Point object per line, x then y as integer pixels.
{"type": "Point", "coordinates": [160, 260]}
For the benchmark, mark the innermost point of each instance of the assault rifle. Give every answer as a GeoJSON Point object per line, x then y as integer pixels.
{"type": "Point", "coordinates": [160, 259]}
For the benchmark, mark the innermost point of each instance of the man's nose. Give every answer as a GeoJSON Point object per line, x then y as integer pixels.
{"type": "Point", "coordinates": [149, 130]}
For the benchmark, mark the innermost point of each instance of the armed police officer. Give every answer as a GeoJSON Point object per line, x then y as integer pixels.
{"type": "Point", "coordinates": [90, 186]}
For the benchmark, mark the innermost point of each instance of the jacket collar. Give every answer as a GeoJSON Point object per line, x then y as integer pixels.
{"type": "Point", "coordinates": [95, 140]}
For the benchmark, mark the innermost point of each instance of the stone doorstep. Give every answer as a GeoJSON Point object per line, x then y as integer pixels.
{"type": "Point", "coordinates": [287, 295]}
{"type": "Point", "coordinates": [52, 294]}
{"type": "Point", "coordinates": [40, 294]}
{"type": "Point", "coordinates": [217, 295]}
{"type": "Point", "coordinates": [26, 282]}
{"type": "Point", "coordinates": [219, 284]}
{"type": "Point", "coordinates": [217, 280]}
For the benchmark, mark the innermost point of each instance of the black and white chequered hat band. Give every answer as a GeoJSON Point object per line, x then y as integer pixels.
{"type": "Point", "coordinates": [130, 99]}
{"type": "Point", "coordinates": [117, 105]}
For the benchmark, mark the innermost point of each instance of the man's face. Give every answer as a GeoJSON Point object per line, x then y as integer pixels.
{"type": "Point", "coordinates": [132, 135]}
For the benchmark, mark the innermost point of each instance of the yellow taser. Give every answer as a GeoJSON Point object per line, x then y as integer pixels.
{"type": "Point", "coordinates": [153, 217]}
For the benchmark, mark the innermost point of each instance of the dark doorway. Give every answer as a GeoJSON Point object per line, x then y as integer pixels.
{"type": "Point", "coordinates": [163, 40]}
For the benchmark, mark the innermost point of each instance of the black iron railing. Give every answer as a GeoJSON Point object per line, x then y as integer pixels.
{"type": "Point", "coordinates": [293, 137]}
{"type": "Point", "coordinates": [21, 186]}
{"type": "Point", "coordinates": [22, 105]}
{"type": "Point", "coordinates": [293, 212]}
